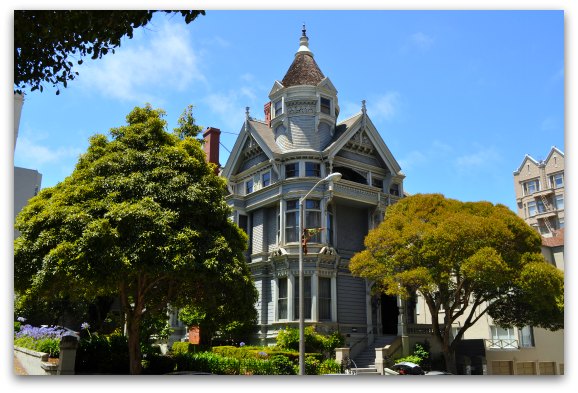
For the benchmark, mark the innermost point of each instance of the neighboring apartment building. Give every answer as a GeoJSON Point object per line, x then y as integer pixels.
{"type": "Point", "coordinates": [26, 181]}
{"type": "Point", "coordinates": [26, 185]}
{"type": "Point", "coordinates": [539, 188]}
{"type": "Point", "coordinates": [278, 160]}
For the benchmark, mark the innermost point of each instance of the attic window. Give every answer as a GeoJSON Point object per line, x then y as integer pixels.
{"type": "Point", "coordinates": [325, 105]}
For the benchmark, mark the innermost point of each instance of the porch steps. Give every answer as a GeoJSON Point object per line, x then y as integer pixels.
{"type": "Point", "coordinates": [365, 360]}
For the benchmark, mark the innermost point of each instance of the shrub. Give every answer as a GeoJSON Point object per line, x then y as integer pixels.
{"type": "Point", "coordinates": [314, 341]}
{"type": "Point", "coordinates": [158, 364]}
{"type": "Point", "coordinates": [419, 356]}
{"type": "Point", "coordinates": [180, 347]}
{"type": "Point", "coordinates": [282, 365]}
{"type": "Point", "coordinates": [329, 366]}
{"type": "Point", "coordinates": [106, 354]}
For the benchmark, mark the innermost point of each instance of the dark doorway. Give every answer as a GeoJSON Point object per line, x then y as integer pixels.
{"type": "Point", "coordinates": [389, 314]}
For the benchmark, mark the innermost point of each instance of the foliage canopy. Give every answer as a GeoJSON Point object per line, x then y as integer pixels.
{"type": "Point", "coordinates": [467, 258]}
{"type": "Point", "coordinates": [142, 216]}
{"type": "Point", "coordinates": [47, 43]}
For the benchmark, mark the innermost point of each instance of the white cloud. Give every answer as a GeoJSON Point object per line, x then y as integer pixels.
{"type": "Point", "coordinates": [421, 40]}
{"type": "Point", "coordinates": [484, 157]}
{"type": "Point", "coordinates": [412, 160]}
{"type": "Point", "coordinates": [384, 107]}
{"type": "Point", "coordinates": [37, 154]}
{"type": "Point", "coordinates": [163, 61]}
{"type": "Point", "coordinates": [230, 107]}
{"type": "Point", "coordinates": [436, 152]}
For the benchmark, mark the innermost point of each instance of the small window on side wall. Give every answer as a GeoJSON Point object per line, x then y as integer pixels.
{"type": "Point", "coordinates": [278, 107]}
{"type": "Point", "coordinates": [265, 179]}
{"type": "Point", "coordinates": [325, 105]}
{"type": "Point", "coordinates": [248, 186]}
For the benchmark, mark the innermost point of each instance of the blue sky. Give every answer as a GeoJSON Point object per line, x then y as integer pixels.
{"type": "Point", "coordinates": [459, 97]}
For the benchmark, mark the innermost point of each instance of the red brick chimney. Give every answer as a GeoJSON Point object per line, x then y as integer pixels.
{"type": "Point", "coordinates": [211, 146]}
{"type": "Point", "coordinates": [268, 114]}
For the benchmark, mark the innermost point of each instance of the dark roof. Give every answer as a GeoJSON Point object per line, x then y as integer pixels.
{"type": "Point", "coordinates": [303, 71]}
{"type": "Point", "coordinates": [556, 240]}
{"type": "Point", "coordinates": [266, 134]}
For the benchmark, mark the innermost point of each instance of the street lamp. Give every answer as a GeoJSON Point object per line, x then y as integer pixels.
{"type": "Point", "coordinates": [336, 176]}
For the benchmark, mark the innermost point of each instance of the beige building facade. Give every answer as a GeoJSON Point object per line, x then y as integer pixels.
{"type": "Point", "coordinates": [539, 188]}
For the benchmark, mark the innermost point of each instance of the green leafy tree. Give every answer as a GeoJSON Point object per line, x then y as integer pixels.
{"type": "Point", "coordinates": [467, 258]}
{"type": "Point", "coordinates": [142, 217]}
{"type": "Point", "coordinates": [47, 44]}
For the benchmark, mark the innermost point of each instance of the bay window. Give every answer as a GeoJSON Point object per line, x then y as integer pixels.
{"type": "Point", "coordinates": [306, 298]}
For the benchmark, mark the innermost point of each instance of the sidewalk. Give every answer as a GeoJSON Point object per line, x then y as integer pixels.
{"type": "Point", "coordinates": [18, 369]}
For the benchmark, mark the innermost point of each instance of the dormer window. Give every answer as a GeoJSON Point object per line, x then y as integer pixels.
{"type": "Point", "coordinates": [325, 105]}
{"type": "Point", "coordinates": [278, 107]}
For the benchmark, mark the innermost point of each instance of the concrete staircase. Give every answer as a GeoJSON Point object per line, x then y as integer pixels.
{"type": "Point", "coordinates": [365, 361]}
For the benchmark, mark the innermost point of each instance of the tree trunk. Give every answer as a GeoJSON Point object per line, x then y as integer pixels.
{"type": "Point", "coordinates": [450, 359]}
{"type": "Point", "coordinates": [134, 352]}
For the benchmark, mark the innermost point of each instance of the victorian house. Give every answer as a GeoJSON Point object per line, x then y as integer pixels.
{"type": "Point", "coordinates": [280, 159]}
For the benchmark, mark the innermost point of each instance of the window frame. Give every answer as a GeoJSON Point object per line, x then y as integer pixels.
{"type": "Point", "coordinates": [313, 209]}
{"type": "Point", "coordinates": [527, 189]}
{"type": "Point", "coordinates": [529, 209]}
{"type": "Point", "coordinates": [282, 301]}
{"type": "Point", "coordinates": [278, 107]}
{"type": "Point", "coordinates": [307, 298]}
{"type": "Point", "coordinates": [249, 186]}
{"type": "Point", "coordinates": [324, 299]}
{"type": "Point", "coordinates": [295, 173]}
{"type": "Point", "coordinates": [263, 174]}
{"type": "Point", "coordinates": [312, 172]}
{"type": "Point", "coordinates": [293, 212]}
{"type": "Point", "coordinates": [325, 107]}
{"type": "Point", "coordinates": [554, 180]}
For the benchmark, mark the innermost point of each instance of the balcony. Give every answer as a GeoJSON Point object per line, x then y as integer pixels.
{"type": "Point", "coordinates": [502, 344]}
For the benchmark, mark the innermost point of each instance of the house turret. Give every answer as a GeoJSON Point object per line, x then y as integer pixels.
{"type": "Point", "coordinates": [304, 105]}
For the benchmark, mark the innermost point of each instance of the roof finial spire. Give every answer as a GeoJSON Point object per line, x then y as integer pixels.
{"type": "Point", "coordinates": [304, 43]}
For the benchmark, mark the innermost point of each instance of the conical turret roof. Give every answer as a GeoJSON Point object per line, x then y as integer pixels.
{"type": "Point", "coordinates": [304, 70]}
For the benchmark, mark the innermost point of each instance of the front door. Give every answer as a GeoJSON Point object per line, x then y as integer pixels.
{"type": "Point", "coordinates": [389, 314]}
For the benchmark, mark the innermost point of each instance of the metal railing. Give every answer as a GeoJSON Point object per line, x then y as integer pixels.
{"type": "Point", "coordinates": [509, 343]}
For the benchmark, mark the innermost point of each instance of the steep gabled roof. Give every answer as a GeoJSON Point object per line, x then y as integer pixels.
{"type": "Point", "coordinates": [345, 130]}
{"type": "Point", "coordinates": [553, 150]}
{"type": "Point", "coordinates": [526, 157]}
{"type": "Point", "coordinates": [261, 133]}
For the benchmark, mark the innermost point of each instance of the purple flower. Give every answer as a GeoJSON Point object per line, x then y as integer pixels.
{"type": "Point", "coordinates": [21, 319]}
{"type": "Point", "coordinates": [242, 344]}
{"type": "Point", "coordinates": [85, 325]}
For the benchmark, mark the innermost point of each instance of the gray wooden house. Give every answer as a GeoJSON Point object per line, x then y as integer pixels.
{"type": "Point", "coordinates": [276, 161]}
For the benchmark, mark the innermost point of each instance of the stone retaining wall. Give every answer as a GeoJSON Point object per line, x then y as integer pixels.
{"type": "Point", "coordinates": [35, 363]}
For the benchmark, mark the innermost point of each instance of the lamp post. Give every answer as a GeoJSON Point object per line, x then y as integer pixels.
{"type": "Point", "coordinates": [336, 176]}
